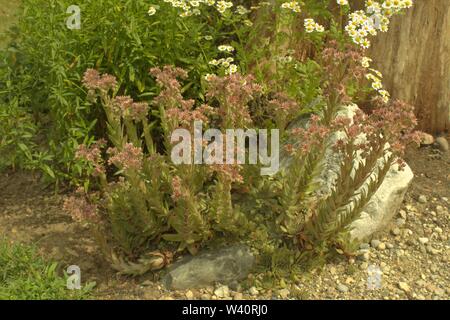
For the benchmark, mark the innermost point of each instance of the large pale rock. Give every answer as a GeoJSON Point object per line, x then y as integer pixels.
{"type": "Point", "coordinates": [222, 266]}
{"type": "Point", "coordinates": [384, 203]}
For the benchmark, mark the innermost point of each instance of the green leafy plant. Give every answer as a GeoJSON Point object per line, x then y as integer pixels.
{"type": "Point", "coordinates": [45, 63]}
{"type": "Point", "coordinates": [26, 275]}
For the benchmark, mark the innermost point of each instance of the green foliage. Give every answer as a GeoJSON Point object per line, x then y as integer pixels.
{"type": "Point", "coordinates": [27, 276]}
{"type": "Point", "coordinates": [16, 132]}
{"type": "Point", "coordinates": [19, 141]}
{"type": "Point", "coordinates": [45, 63]}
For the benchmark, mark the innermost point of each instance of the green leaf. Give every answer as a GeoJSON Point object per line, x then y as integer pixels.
{"type": "Point", "coordinates": [172, 237]}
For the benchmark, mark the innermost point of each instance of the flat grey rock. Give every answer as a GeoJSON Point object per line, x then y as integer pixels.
{"type": "Point", "coordinates": [222, 265]}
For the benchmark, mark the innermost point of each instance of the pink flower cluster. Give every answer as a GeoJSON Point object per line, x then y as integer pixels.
{"type": "Point", "coordinates": [177, 189]}
{"type": "Point", "coordinates": [233, 92]}
{"type": "Point", "coordinates": [177, 109]}
{"type": "Point", "coordinates": [341, 67]}
{"type": "Point", "coordinates": [167, 77]}
{"type": "Point", "coordinates": [127, 108]}
{"type": "Point", "coordinates": [170, 96]}
{"type": "Point", "coordinates": [186, 115]}
{"type": "Point", "coordinates": [313, 136]}
{"type": "Point", "coordinates": [129, 157]}
{"type": "Point", "coordinates": [397, 122]}
{"type": "Point", "coordinates": [334, 57]}
{"type": "Point", "coordinates": [231, 172]}
{"type": "Point", "coordinates": [392, 123]}
{"type": "Point", "coordinates": [93, 155]}
{"type": "Point", "coordinates": [80, 209]}
{"type": "Point", "coordinates": [388, 123]}
{"type": "Point", "coordinates": [283, 103]}
{"type": "Point", "coordinates": [93, 81]}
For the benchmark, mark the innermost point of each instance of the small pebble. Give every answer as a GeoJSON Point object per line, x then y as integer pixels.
{"type": "Point", "coordinates": [284, 293]}
{"type": "Point", "coordinates": [439, 292]}
{"type": "Point", "coordinates": [440, 210]}
{"type": "Point", "coordinates": [364, 246]}
{"type": "Point", "coordinates": [364, 265]}
{"type": "Point", "coordinates": [422, 199]}
{"type": "Point", "coordinates": [342, 288]}
{"type": "Point", "coordinates": [432, 250]}
{"type": "Point", "coordinates": [404, 286]}
{"type": "Point", "coordinates": [235, 286]}
{"type": "Point", "coordinates": [238, 296]}
{"type": "Point", "coordinates": [253, 291]}
{"type": "Point", "coordinates": [222, 292]}
{"type": "Point", "coordinates": [375, 243]}
{"type": "Point", "coordinates": [402, 213]}
{"type": "Point", "coordinates": [189, 294]}
{"type": "Point", "coordinates": [426, 139]}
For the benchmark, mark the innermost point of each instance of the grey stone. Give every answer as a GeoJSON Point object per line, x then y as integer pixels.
{"type": "Point", "coordinates": [223, 266]}
{"type": "Point", "coordinates": [427, 139]}
{"type": "Point", "coordinates": [235, 286]}
{"type": "Point", "coordinates": [422, 199]}
{"type": "Point", "coordinates": [364, 246]}
{"type": "Point", "coordinates": [366, 256]}
{"type": "Point", "coordinates": [386, 201]}
{"type": "Point", "coordinates": [342, 288]}
{"type": "Point", "coordinates": [442, 144]}
{"type": "Point", "coordinates": [375, 243]}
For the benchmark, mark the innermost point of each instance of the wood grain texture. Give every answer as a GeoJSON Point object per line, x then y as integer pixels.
{"type": "Point", "coordinates": [414, 56]}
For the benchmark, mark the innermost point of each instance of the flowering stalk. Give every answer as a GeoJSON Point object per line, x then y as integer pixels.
{"type": "Point", "coordinates": [358, 180]}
